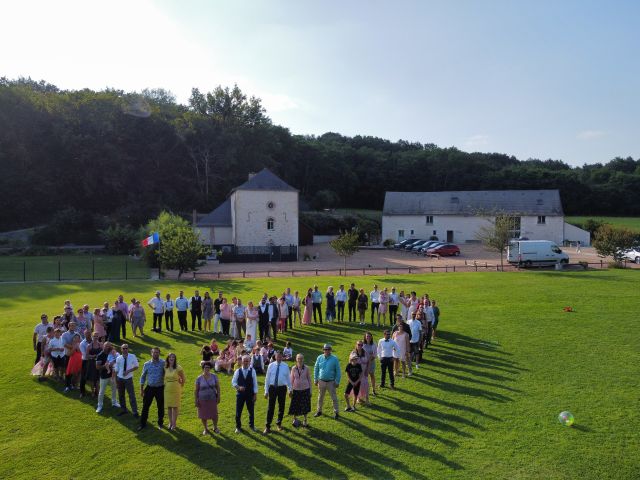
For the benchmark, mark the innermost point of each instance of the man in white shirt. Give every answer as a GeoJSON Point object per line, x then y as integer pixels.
{"type": "Point", "coordinates": [38, 334]}
{"type": "Point", "coordinates": [341, 299]}
{"type": "Point", "coordinates": [84, 346]}
{"type": "Point", "coordinates": [126, 364]}
{"type": "Point", "coordinates": [393, 305]}
{"type": "Point", "coordinates": [414, 342]}
{"type": "Point", "coordinates": [157, 305]}
{"type": "Point", "coordinates": [386, 349]}
{"type": "Point", "coordinates": [374, 296]}
{"type": "Point", "coordinates": [182, 305]}
{"type": "Point", "coordinates": [245, 382]}
{"type": "Point", "coordinates": [288, 298]}
{"type": "Point", "coordinates": [276, 384]}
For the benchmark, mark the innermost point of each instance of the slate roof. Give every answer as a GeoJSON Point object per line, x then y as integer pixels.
{"type": "Point", "coordinates": [518, 202]}
{"type": "Point", "coordinates": [220, 217]}
{"type": "Point", "coordinates": [265, 180]}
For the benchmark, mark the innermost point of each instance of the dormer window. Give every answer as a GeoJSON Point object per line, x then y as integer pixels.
{"type": "Point", "coordinates": [270, 223]}
{"type": "Point", "coordinates": [455, 200]}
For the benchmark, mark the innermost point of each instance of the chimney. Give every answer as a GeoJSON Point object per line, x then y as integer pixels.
{"type": "Point", "coordinates": [251, 175]}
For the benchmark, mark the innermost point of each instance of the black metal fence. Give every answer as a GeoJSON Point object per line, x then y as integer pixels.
{"type": "Point", "coordinates": [253, 254]}
{"type": "Point", "coordinates": [38, 269]}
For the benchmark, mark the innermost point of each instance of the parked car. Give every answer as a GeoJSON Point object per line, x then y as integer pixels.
{"type": "Point", "coordinates": [403, 243]}
{"type": "Point", "coordinates": [428, 245]}
{"type": "Point", "coordinates": [416, 248]}
{"type": "Point", "coordinates": [444, 250]}
{"type": "Point", "coordinates": [633, 254]}
{"type": "Point", "coordinates": [410, 245]}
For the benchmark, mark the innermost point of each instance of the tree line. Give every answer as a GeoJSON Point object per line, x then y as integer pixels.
{"type": "Point", "coordinates": [118, 158]}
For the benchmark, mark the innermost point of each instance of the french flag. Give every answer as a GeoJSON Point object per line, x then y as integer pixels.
{"type": "Point", "coordinates": [151, 240]}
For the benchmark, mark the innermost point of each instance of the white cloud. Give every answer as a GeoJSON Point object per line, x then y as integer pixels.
{"type": "Point", "coordinates": [475, 142]}
{"type": "Point", "coordinates": [590, 134]}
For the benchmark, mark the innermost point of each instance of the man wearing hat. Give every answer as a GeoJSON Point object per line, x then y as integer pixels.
{"type": "Point", "coordinates": [157, 305]}
{"type": "Point", "coordinates": [326, 376]}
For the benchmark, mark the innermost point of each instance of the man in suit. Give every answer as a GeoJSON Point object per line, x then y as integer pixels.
{"type": "Point", "coordinates": [245, 383]}
{"type": "Point", "coordinates": [196, 310]}
{"type": "Point", "coordinates": [263, 318]}
{"type": "Point", "coordinates": [353, 301]}
{"type": "Point", "coordinates": [273, 316]}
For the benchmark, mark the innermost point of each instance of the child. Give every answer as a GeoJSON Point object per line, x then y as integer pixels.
{"type": "Point", "coordinates": [206, 353]}
{"type": "Point", "coordinates": [257, 361]}
{"type": "Point", "coordinates": [271, 351]}
{"type": "Point", "coordinates": [354, 375]}
{"type": "Point", "coordinates": [287, 352]}
{"type": "Point", "coordinates": [249, 343]}
{"type": "Point", "coordinates": [215, 350]}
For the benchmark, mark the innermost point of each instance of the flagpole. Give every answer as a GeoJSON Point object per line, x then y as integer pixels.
{"type": "Point", "coordinates": [159, 262]}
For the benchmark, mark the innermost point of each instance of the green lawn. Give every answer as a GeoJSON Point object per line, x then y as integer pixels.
{"type": "Point", "coordinates": [71, 267]}
{"type": "Point", "coordinates": [508, 360]}
{"type": "Point", "coordinates": [629, 222]}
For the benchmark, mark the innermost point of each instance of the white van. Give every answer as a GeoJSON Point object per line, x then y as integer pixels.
{"type": "Point", "coordinates": [535, 252]}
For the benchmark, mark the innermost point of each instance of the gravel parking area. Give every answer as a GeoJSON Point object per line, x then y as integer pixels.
{"type": "Point", "coordinates": [377, 260]}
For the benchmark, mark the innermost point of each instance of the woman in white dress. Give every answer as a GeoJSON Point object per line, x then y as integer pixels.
{"type": "Point", "coordinates": [252, 320]}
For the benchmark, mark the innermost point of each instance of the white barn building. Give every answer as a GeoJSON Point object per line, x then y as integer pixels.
{"type": "Point", "coordinates": [457, 216]}
{"type": "Point", "coordinates": [262, 212]}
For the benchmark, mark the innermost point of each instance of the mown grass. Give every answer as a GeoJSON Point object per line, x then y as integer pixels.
{"type": "Point", "coordinates": [508, 360]}
{"type": "Point", "coordinates": [630, 222]}
{"type": "Point", "coordinates": [71, 268]}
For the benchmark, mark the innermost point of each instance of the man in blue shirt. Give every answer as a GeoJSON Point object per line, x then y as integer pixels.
{"type": "Point", "coordinates": [326, 375]}
{"type": "Point", "coordinates": [182, 305]}
{"type": "Point", "coordinates": [153, 375]}
{"type": "Point", "coordinates": [316, 299]}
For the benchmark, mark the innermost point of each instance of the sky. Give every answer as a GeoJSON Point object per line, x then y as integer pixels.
{"type": "Point", "coordinates": [546, 79]}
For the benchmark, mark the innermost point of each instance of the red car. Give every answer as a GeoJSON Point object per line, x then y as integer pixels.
{"type": "Point", "coordinates": [445, 250]}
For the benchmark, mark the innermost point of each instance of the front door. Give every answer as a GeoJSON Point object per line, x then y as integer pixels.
{"type": "Point", "coordinates": [449, 236]}
{"type": "Point", "coordinates": [400, 235]}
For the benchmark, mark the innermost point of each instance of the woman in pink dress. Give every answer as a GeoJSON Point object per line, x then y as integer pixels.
{"type": "Point", "coordinates": [283, 314]}
{"type": "Point", "coordinates": [98, 324]}
{"type": "Point", "coordinates": [402, 339]}
{"type": "Point", "coordinates": [363, 359]}
{"type": "Point", "coordinates": [308, 306]}
{"type": "Point", "coordinates": [383, 308]}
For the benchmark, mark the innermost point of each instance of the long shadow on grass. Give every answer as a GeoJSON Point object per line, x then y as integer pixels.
{"type": "Point", "coordinates": [468, 342]}
{"type": "Point", "coordinates": [227, 456]}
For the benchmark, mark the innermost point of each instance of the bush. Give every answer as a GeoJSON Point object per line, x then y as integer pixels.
{"type": "Point", "coordinates": [119, 239]}
{"type": "Point", "coordinates": [388, 242]}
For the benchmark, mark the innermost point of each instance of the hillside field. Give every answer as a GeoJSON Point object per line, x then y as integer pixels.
{"type": "Point", "coordinates": [507, 361]}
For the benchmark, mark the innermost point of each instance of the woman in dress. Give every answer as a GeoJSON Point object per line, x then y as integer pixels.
{"type": "Point", "coordinates": [363, 360]}
{"type": "Point", "coordinates": [226, 312]}
{"type": "Point", "coordinates": [402, 301]}
{"type": "Point", "coordinates": [98, 324]}
{"type": "Point", "coordinates": [173, 382]}
{"type": "Point", "coordinates": [331, 305]}
{"type": "Point", "coordinates": [308, 307]}
{"type": "Point", "coordinates": [137, 318]}
{"type": "Point", "coordinates": [300, 391]}
{"type": "Point", "coordinates": [383, 308]}
{"type": "Point", "coordinates": [252, 320]}
{"type": "Point", "coordinates": [402, 339]}
{"type": "Point", "coordinates": [74, 365]}
{"type": "Point", "coordinates": [207, 311]}
{"type": "Point", "coordinates": [283, 314]}
{"type": "Point", "coordinates": [295, 306]}
{"type": "Point", "coordinates": [93, 350]}
{"type": "Point", "coordinates": [207, 398]}
{"type": "Point", "coordinates": [82, 323]}
{"type": "Point", "coordinates": [363, 301]}
{"type": "Point", "coordinates": [371, 349]}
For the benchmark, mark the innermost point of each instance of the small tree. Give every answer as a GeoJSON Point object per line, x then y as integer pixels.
{"type": "Point", "coordinates": [613, 241]}
{"type": "Point", "coordinates": [346, 245]}
{"type": "Point", "coordinates": [180, 246]}
{"type": "Point", "coordinates": [497, 235]}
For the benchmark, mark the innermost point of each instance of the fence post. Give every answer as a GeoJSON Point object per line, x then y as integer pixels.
{"type": "Point", "coordinates": [59, 271]}
{"type": "Point", "coordinates": [409, 269]}
{"type": "Point", "coordinates": [454, 269]}
{"type": "Point", "coordinates": [363, 272]}
{"type": "Point", "coordinates": [600, 263]}
{"type": "Point", "coordinates": [93, 269]}
{"type": "Point", "coordinates": [24, 271]}
{"type": "Point", "coordinates": [126, 270]}
{"type": "Point", "coordinates": [387, 270]}
{"type": "Point", "coordinates": [218, 275]}
{"type": "Point", "coordinates": [446, 269]}
{"type": "Point", "coordinates": [431, 268]}
{"type": "Point", "coordinates": [268, 273]}
{"type": "Point", "coordinates": [243, 274]}
{"type": "Point", "coordinates": [292, 273]}
{"type": "Point", "coordinates": [476, 267]}
{"type": "Point", "coordinates": [316, 272]}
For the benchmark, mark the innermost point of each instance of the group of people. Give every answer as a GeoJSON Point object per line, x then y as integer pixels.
{"type": "Point", "coordinates": [81, 351]}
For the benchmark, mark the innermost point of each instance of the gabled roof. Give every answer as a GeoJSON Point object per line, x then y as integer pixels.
{"type": "Point", "coordinates": [517, 202]}
{"type": "Point", "coordinates": [220, 217]}
{"type": "Point", "coordinates": [265, 180]}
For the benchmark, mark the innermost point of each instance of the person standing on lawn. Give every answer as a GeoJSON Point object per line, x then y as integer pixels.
{"type": "Point", "coordinates": [354, 378]}
{"type": "Point", "coordinates": [126, 364]}
{"type": "Point", "coordinates": [157, 305]}
{"type": "Point", "coordinates": [182, 305]}
{"type": "Point", "coordinates": [276, 384]}
{"type": "Point", "coordinates": [196, 310]}
{"type": "Point", "coordinates": [245, 383]}
{"type": "Point", "coordinates": [387, 349]}
{"type": "Point", "coordinates": [353, 301]}
{"type": "Point", "coordinates": [326, 374]}
{"type": "Point", "coordinates": [316, 299]}
{"type": "Point", "coordinates": [153, 377]}
{"type": "Point", "coordinates": [38, 335]}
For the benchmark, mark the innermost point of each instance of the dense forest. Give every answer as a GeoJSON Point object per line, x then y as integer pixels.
{"type": "Point", "coordinates": [126, 156]}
